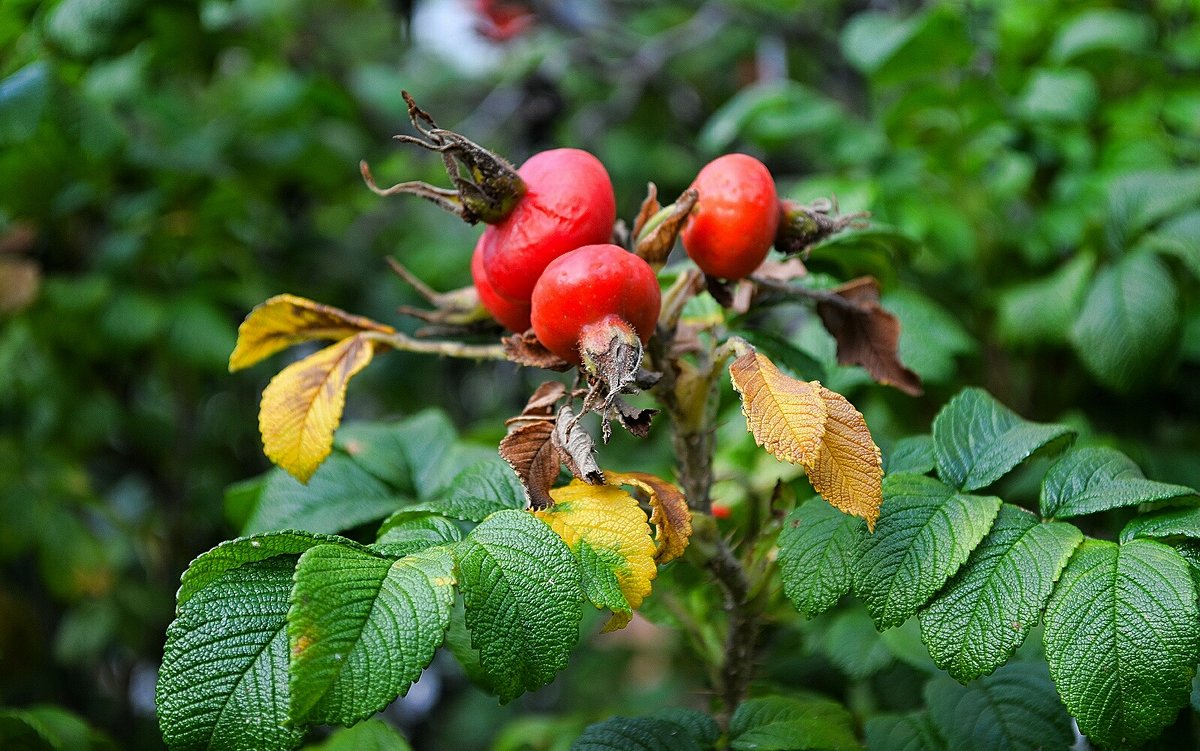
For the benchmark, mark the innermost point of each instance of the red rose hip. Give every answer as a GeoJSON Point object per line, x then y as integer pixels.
{"type": "Point", "coordinates": [733, 225]}
{"type": "Point", "coordinates": [512, 316]}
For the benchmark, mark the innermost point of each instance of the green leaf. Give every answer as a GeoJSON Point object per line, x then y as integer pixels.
{"type": "Point", "coordinates": [931, 339]}
{"type": "Point", "coordinates": [816, 553]}
{"type": "Point", "coordinates": [700, 726]}
{"type": "Point", "coordinates": [1128, 321]}
{"type": "Point", "coordinates": [978, 440]}
{"type": "Point", "coordinates": [224, 677]}
{"type": "Point", "coordinates": [1013, 709]}
{"type": "Point", "coordinates": [1102, 29]}
{"type": "Point", "coordinates": [1178, 237]}
{"type": "Point", "coordinates": [770, 112]}
{"type": "Point", "coordinates": [787, 723]}
{"type": "Point", "coordinates": [926, 531]}
{"type": "Point", "coordinates": [975, 624]}
{"type": "Point", "coordinates": [1092, 479]}
{"type": "Point", "coordinates": [856, 252]}
{"type": "Point", "coordinates": [910, 455]}
{"type": "Point", "coordinates": [479, 490]}
{"type": "Point", "coordinates": [637, 734]}
{"type": "Point", "coordinates": [854, 646]}
{"type": "Point", "coordinates": [521, 586]}
{"type": "Point", "coordinates": [340, 495]}
{"type": "Point", "coordinates": [208, 567]}
{"type": "Point", "coordinates": [1121, 639]}
{"type": "Point", "coordinates": [890, 49]}
{"type": "Point", "coordinates": [418, 455]}
{"type": "Point", "coordinates": [904, 642]}
{"type": "Point", "coordinates": [1063, 95]}
{"type": "Point", "coordinates": [23, 97]}
{"type": "Point", "coordinates": [1043, 310]}
{"type": "Point", "coordinates": [1169, 522]}
{"type": "Point", "coordinates": [362, 627]}
{"type": "Point", "coordinates": [909, 732]}
{"type": "Point", "coordinates": [408, 531]}
{"type": "Point", "coordinates": [19, 730]}
{"type": "Point", "coordinates": [1138, 200]}
{"type": "Point", "coordinates": [371, 735]}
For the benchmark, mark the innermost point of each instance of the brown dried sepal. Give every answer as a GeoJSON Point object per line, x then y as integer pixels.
{"type": "Point", "coordinates": [657, 229]}
{"type": "Point", "coordinates": [576, 447]}
{"type": "Point", "coordinates": [801, 227]}
{"type": "Point", "coordinates": [867, 334]}
{"type": "Point", "coordinates": [531, 448]}
{"type": "Point", "coordinates": [525, 349]}
{"type": "Point", "coordinates": [636, 421]}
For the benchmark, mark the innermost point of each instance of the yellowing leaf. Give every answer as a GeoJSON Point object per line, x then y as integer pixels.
{"type": "Point", "coordinates": [285, 320]}
{"type": "Point", "coordinates": [302, 405]}
{"type": "Point", "coordinates": [847, 471]}
{"type": "Point", "coordinates": [669, 514]}
{"type": "Point", "coordinates": [786, 416]}
{"type": "Point", "coordinates": [606, 529]}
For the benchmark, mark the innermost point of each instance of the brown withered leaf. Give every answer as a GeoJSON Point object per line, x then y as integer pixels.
{"type": "Point", "coordinates": [636, 421]}
{"type": "Point", "coordinates": [654, 242]}
{"type": "Point", "coordinates": [669, 513]}
{"type": "Point", "coordinates": [868, 335]}
{"type": "Point", "coordinates": [525, 349]}
{"type": "Point", "coordinates": [847, 471]}
{"type": "Point", "coordinates": [577, 448]}
{"type": "Point", "coordinates": [541, 403]}
{"type": "Point", "coordinates": [285, 320]}
{"type": "Point", "coordinates": [532, 453]}
{"type": "Point", "coordinates": [786, 416]}
{"type": "Point", "coordinates": [649, 208]}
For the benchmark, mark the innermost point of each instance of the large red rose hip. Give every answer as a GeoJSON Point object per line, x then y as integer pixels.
{"type": "Point", "coordinates": [568, 203]}
{"type": "Point", "coordinates": [733, 225]}
{"type": "Point", "coordinates": [513, 316]}
{"type": "Point", "coordinates": [591, 293]}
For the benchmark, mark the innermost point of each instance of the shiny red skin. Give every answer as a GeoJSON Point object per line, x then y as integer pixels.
{"type": "Point", "coordinates": [586, 285]}
{"type": "Point", "coordinates": [568, 203]}
{"type": "Point", "coordinates": [733, 225]}
{"type": "Point", "coordinates": [512, 316]}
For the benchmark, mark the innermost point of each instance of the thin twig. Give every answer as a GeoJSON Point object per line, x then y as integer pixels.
{"type": "Point", "coordinates": [817, 295]}
{"type": "Point", "coordinates": [406, 343]}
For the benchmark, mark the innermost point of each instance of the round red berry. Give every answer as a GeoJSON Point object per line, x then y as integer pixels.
{"type": "Point", "coordinates": [733, 225]}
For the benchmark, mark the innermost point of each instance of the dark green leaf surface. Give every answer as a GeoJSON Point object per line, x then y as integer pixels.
{"type": "Point", "coordinates": [816, 553]}
{"type": "Point", "coordinates": [1121, 639]}
{"type": "Point", "coordinates": [700, 726]}
{"type": "Point", "coordinates": [479, 490]}
{"type": "Point", "coordinates": [362, 627]}
{"type": "Point", "coordinates": [340, 495]}
{"type": "Point", "coordinates": [1013, 709]}
{"type": "Point", "coordinates": [1043, 310]}
{"type": "Point", "coordinates": [910, 732]}
{"type": "Point", "coordinates": [210, 566]}
{"type": "Point", "coordinates": [224, 677]}
{"type": "Point", "coordinates": [1088, 480]}
{"type": "Point", "coordinates": [925, 532]}
{"type": "Point", "coordinates": [1170, 522]}
{"type": "Point", "coordinates": [598, 576]}
{"type": "Point", "coordinates": [982, 616]}
{"type": "Point", "coordinates": [931, 338]}
{"type": "Point", "coordinates": [854, 646]}
{"type": "Point", "coordinates": [371, 735]}
{"type": "Point", "coordinates": [1128, 321]}
{"type": "Point", "coordinates": [978, 440]}
{"type": "Point", "coordinates": [910, 455]}
{"type": "Point", "coordinates": [521, 586]}
{"type": "Point", "coordinates": [408, 531]}
{"type": "Point", "coordinates": [791, 723]}
{"type": "Point", "coordinates": [637, 734]}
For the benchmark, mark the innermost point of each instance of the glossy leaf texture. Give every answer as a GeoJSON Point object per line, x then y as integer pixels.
{"type": "Point", "coordinates": [408, 531]}
{"type": "Point", "coordinates": [983, 614]}
{"type": "Point", "coordinates": [285, 320]}
{"type": "Point", "coordinates": [1092, 479]}
{"type": "Point", "coordinates": [927, 531]}
{"type": "Point", "coordinates": [912, 454]}
{"type": "Point", "coordinates": [224, 677]}
{"type": "Point", "coordinates": [1122, 639]}
{"type": "Point", "coordinates": [210, 566]}
{"type": "Point", "coordinates": [609, 533]}
{"type": "Point", "coordinates": [1013, 709]}
{"type": "Point", "coordinates": [302, 405]}
{"type": "Point", "coordinates": [362, 627]}
{"type": "Point", "coordinates": [817, 549]}
{"type": "Point", "coordinates": [523, 596]}
{"type": "Point", "coordinates": [1168, 522]}
{"type": "Point", "coordinates": [977, 440]}
{"type": "Point", "coordinates": [791, 723]}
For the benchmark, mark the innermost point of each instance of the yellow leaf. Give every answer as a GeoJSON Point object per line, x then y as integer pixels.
{"type": "Point", "coordinates": [847, 471]}
{"type": "Point", "coordinates": [302, 405]}
{"type": "Point", "coordinates": [669, 514]}
{"type": "Point", "coordinates": [786, 416]}
{"type": "Point", "coordinates": [606, 528]}
{"type": "Point", "coordinates": [285, 320]}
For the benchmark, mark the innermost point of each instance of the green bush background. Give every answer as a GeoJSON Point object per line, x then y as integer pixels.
{"type": "Point", "coordinates": [165, 166]}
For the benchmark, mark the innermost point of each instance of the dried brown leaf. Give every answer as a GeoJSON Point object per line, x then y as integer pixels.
{"type": "Point", "coordinates": [532, 453]}
{"type": "Point", "coordinates": [868, 335]}
{"type": "Point", "coordinates": [847, 471]}
{"type": "Point", "coordinates": [577, 447]}
{"type": "Point", "coordinates": [525, 349]}
{"type": "Point", "coordinates": [669, 512]}
{"type": "Point", "coordinates": [636, 421]}
{"type": "Point", "coordinates": [786, 416]}
{"type": "Point", "coordinates": [649, 208]}
{"type": "Point", "coordinates": [654, 241]}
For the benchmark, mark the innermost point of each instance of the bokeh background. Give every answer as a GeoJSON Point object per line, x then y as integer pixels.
{"type": "Point", "coordinates": [1031, 168]}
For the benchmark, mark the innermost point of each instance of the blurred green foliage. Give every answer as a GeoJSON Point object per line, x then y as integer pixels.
{"type": "Point", "coordinates": [1032, 169]}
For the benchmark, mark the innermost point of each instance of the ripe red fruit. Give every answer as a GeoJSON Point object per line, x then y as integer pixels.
{"type": "Point", "coordinates": [720, 512]}
{"type": "Point", "coordinates": [733, 225]}
{"type": "Point", "coordinates": [594, 290]}
{"type": "Point", "coordinates": [568, 203]}
{"type": "Point", "coordinates": [512, 316]}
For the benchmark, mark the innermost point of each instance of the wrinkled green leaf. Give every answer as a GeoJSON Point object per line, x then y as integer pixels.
{"type": "Point", "coordinates": [791, 723]}
{"type": "Point", "coordinates": [208, 567]}
{"type": "Point", "coordinates": [816, 554]}
{"type": "Point", "coordinates": [910, 455]}
{"type": "Point", "coordinates": [479, 490]}
{"type": "Point", "coordinates": [1092, 479]}
{"type": "Point", "coordinates": [408, 531]}
{"type": "Point", "coordinates": [371, 735]}
{"type": "Point", "coordinates": [1013, 709]}
{"type": "Point", "coordinates": [1169, 522]}
{"type": "Point", "coordinates": [910, 732]}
